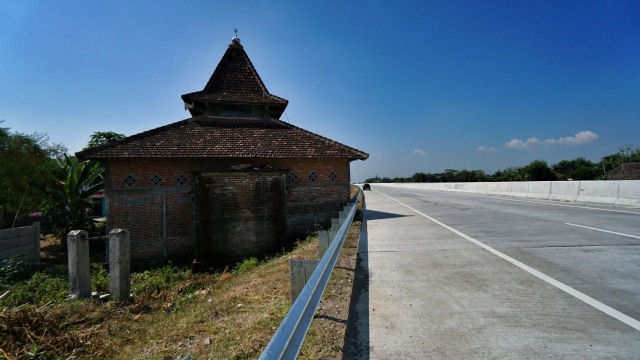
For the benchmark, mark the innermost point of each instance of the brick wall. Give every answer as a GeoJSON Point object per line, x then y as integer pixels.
{"type": "Point", "coordinates": [316, 191]}
{"type": "Point", "coordinates": [155, 199]}
{"type": "Point", "coordinates": [241, 214]}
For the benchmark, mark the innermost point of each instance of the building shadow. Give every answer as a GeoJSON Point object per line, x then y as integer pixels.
{"type": "Point", "coordinates": [356, 337]}
{"type": "Point", "coordinates": [380, 215]}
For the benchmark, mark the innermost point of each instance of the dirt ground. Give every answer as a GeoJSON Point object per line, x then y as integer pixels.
{"type": "Point", "coordinates": [51, 251]}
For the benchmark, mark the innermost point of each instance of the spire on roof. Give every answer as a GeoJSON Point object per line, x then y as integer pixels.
{"type": "Point", "coordinates": [234, 82]}
{"type": "Point", "coordinates": [236, 38]}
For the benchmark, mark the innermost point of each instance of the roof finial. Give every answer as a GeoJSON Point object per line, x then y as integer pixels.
{"type": "Point", "coordinates": [235, 39]}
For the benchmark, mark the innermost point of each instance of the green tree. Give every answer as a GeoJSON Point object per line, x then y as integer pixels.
{"type": "Point", "coordinates": [578, 169]}
{"type": "Point", "coordinates": [419, 177]}
{"type": "Point", "coordinates": [470, 176]}
{"type": "Point", "coordinates": [538, 170]}
{"type": "Point", "coordinates": [625, 154]}
{"type": "Point", "coordinates": [375, 179]}
{"type": "Point", "coordinates": [449, 175]}
{"type": "Point", "coordinates": [510, 174]}
{"type": "Point", "coordinates": [71, 203]}
{"type": "Point", "coordinates": [100, 138]}
{"type": "Point", "coordinates": [27, 163]}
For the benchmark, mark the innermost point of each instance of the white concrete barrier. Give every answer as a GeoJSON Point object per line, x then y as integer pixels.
{"type": "Point", "coordinates": [624, 192]}
{"type": "Point", "coordinates": [629, 193]}
{"type": "Point", "coordinates": [479, 188]}
{"type": "Point", "coordinates": [464, 187]}
{"type": "Point", "coordinates": [564, 190]}
{"type": "Point", "coordinates": [504, 188]}
{"type": "Point", "coordinates": [539, 190]}
{"type": "Point", "coordinates": [492, 188]}
{"type": "Point", "coordinates": [519, 188]}
{"type": "Point", "coordinates": [603, 192]}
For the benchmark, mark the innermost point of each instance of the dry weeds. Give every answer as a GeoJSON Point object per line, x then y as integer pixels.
{"type": "Point", "coordinates": [208, 316]}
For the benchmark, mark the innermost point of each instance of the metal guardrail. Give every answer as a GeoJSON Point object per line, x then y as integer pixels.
{"type": "Point", "coordinates": [288, 339]}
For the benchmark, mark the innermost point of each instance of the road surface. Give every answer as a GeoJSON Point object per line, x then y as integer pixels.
{"type": "Point", "coordinates": [448, 275]}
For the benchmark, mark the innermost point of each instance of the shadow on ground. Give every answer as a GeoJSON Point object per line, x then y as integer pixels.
{"type": "Point", "coordinates": [381, 215]}
{"type": "Point", "coordinates": [356, 337]}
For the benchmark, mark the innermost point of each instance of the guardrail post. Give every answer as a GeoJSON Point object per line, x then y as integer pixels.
{"type": "Point", "coordinates": [301, 270]}
{"type": "Point", "coordinates": [79, 268]}
{"type": "Point", "coordinates": [287, 341]}
{"type": "Point", "coordinates": [343, 215]}
{"type": "Point", "coordinates": [332, 235]}
{"type": "Point", "coordinates": [335, 224]}
{"type": "Point", "coordinates": [119, 264]}
{"type": "Point", "coordinates": [323, 243]}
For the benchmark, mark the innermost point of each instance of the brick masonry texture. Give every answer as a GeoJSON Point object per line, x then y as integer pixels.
{"type": "Point", "coordinates": [162, 216]}
{"type": "Point", "coordinates": [242, 214]}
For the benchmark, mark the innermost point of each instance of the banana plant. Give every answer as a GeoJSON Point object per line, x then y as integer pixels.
{"type": "Point", "coordinates": [76, 182]}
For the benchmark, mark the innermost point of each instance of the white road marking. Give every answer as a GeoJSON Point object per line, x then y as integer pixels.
{"type": "Point", "coordinates": [461, 203]}
{"type": "Point", "coordinates": [566, 288]}
{"type": "Point", "coordinates": [602, 230]}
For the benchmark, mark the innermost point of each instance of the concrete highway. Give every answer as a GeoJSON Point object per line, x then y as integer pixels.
{"type": "Point", "coordinates": [450, 275]}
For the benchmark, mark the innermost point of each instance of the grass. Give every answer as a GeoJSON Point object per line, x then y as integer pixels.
{"type": "Point", "coordinates": [175, 312]}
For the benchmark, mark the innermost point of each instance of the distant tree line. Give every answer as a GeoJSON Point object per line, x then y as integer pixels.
{"type": "Point", "coordinates": [537, 170]}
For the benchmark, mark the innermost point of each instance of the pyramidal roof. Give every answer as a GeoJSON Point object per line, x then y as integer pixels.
{"type": "Point", "coordinates": [235, 80]}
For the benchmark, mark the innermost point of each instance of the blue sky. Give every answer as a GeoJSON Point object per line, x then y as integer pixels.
{"type": "Point", "coordinates": [421, 86]}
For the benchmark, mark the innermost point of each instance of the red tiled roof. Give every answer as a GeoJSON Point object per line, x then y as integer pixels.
{"type": "Point", "coordinates": [220, 137]}
{"type": "Point", "coordinates": [235, 80]}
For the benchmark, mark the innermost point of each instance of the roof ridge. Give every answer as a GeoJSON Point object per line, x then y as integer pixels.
{"type": "Point", "coordinates": [88, 152]}
{"type": "Point", "coordinates": [330, 141]}
{"type": "Point", "coordinates": [193, 138]}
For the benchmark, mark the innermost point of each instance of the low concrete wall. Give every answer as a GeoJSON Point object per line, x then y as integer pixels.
{"type": "Point", "coordinates": [519, 188]}
{"type": "Point", "coordinates": [628, 193]}
{"type": "Point", "coordinates": [21, 241]}
{"type": "Point", "coordinates": [622, 192]}
{"type": "Point", "coordinates": [564, 190]}
{"type": "Point", "coordinates": [539, 190]}
{"type": "Point", "coordinates": [604, 192]}
{"type": "Point", "coordinates": [504, 188]}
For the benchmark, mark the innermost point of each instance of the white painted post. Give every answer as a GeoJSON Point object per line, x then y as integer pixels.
{"type": "Point", "coordinates": [119, 264]}
{"type": "Point", "coordinates": [79, 268]}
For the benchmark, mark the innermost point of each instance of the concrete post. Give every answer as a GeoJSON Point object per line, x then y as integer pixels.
{"type": "Point", "coordinates": [79, 268]}
{"type": "Point", "coordinates": [323, 243]}
{"type": "Point", "coordinates": [301, 270]}
{"type": "Point", "coordinates": [335, 224]}
{"type": "Point", "coordinates": [119, 264]}
{"type": "Point", "coordinates": [36, 227]}
{"type": "Point", "coordinates": [342, 215]}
